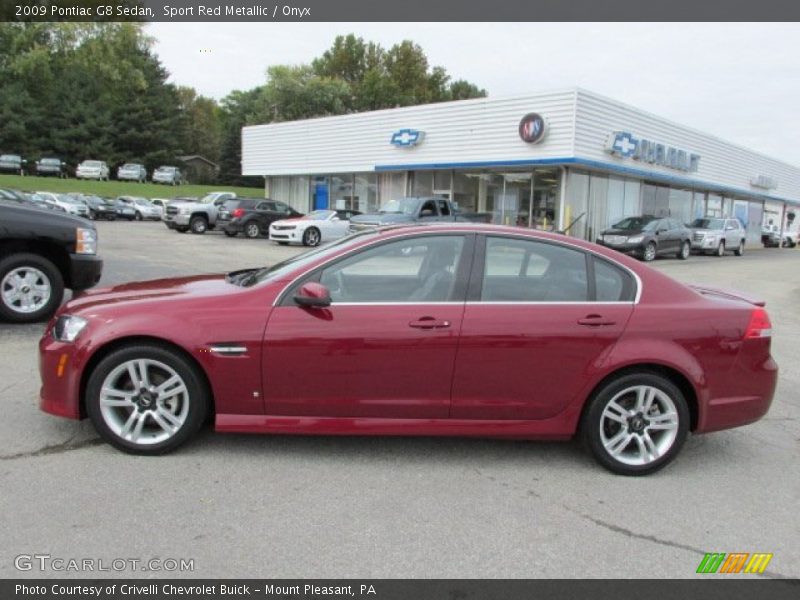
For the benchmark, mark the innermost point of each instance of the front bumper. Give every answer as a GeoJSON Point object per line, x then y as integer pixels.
{"type": "Point", "coordinates": [636, 249]}
{"type": "Point", "coordinates": [85, 270]}
{"type": "Point", "coordinates": [705, 243]}
{"type": "Point", "coordinates": [173, 221]}
{"type": "Point", "coordinates": [60, 366]}
{"type": "Point", "coordinates": [286, 235]}
{"type": "Point", "coordinates": [80, 175]}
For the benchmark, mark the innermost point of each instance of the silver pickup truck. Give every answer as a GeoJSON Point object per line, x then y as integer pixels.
{"type": "Point", "coordinates": [183, 214]}
{"type": "Point", "coordinates": [414, 210]}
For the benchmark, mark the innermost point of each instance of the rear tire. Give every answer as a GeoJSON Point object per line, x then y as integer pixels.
{"type": "Point", "coordinates": [635, 424]}
{"type": "Point", "coordinates": [148, 416]}
{"type": "Point", "coordinates": [31, 288]}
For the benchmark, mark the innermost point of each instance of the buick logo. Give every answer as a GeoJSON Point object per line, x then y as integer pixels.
{"type": "Point", "coordinates": [532, 128]}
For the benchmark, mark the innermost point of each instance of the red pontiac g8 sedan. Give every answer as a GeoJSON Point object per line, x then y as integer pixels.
{"type": "Point", "coordinates": [459, 329]}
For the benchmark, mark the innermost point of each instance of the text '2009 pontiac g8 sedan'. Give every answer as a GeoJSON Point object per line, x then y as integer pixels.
{"type": "Point", "coordinates": [464, 330]}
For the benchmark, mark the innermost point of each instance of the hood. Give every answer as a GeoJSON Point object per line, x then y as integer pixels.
{"type": "Point", "coordinates": [381, 219]}
{"type": "Point", "coordinates": [147, 291]}
{"type": "Point", "coordinates": [705, 231]}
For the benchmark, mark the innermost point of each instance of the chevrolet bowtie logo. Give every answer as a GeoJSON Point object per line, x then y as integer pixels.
{"type": "Point", "coordinates": [622, 143]}
{"type": "Point", "coordinates": [405, 138]}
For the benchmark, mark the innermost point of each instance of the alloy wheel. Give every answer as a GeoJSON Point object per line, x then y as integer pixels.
{"type": "Point", "coordinates": [639, 425]}
{"type": "Point", "coordinates": [312, 237]}
{"type": "Point", "coordinates": [650, 252]}
{"type": "Point", "coordinates": [144, 401]}
{"type": "Point", "coordinates": [252, 230]}
{"type": "Point", "coordinates": [25, 290]}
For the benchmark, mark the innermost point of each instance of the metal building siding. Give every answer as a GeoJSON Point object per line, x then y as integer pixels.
{"type": "Point", "coordinates": [721, 163]}
{"type": "Point", "coordinates": [456, 132]}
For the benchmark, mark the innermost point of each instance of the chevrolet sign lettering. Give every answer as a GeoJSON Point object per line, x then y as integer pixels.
{"type": "Point", "coordinates": [626, 145]}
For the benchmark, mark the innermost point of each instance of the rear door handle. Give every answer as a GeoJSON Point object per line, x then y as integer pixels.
{"type": "Point", "coordinates": [429, 323]}
{"type": "Point", "coordinates": [596, 321]}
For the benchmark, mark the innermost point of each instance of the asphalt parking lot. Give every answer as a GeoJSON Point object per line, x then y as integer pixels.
{"type": "Point", "coordinates": [258, 506]}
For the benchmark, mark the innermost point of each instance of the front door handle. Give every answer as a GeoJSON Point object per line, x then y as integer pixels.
{"type": "Point", "coordinates": [429, 323]}
{"type": "Point", "coordinates": [596, 321]}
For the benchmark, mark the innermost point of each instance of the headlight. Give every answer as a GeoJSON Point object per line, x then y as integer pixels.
{"type": "Point", "coordinates": [68, 327]}
{"type": "Point", "coordinates": [86, 241]}
{"type": "Point", "coordinates": [635, 239]}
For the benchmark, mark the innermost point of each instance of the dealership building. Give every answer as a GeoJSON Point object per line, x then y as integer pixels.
{"type": "Point", "coordinates": [551, 160]}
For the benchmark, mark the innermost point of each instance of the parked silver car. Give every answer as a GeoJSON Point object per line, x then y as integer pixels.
{"type": "Point", "coordinates": [168, 175]}
{"type": "Point", "coordinates": [716, 235]}
{"type": "Point", "coordinates": [132, 172]}
{"type": "Point", "coordinates": [142, 207]}
{"type": "Point", "coordinates": [92, 169]}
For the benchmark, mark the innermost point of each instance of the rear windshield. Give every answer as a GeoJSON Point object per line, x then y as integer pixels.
{"type": "Point", "coordinates": [92, 163]}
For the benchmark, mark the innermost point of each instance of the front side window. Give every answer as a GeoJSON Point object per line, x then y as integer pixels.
{"type": "Point", "coordinates": [421, 269]}
{"type": "Point", "coordinates": [518, 270]}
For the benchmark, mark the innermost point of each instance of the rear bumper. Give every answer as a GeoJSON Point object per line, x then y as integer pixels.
{"type": "Point", "coordinates": [735, 411]}
{"type": "Point", "coordinates": [85, 271]}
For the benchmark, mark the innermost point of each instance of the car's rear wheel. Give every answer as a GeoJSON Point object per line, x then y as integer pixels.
{"type": "Point", "coordinates": [721, 248]}
{"type": "Point", "coordinates": [146, 399]}
{"type": "Point", "coordinates": [31, 288]}
{"type": "Point", "coordinates": [198, 224]}
{"type": "Point", "coordinates": [685, 251]}
{"type": "Point", "coordinates": [636, 424]}
{"type": "Point", "coordinates": [740, 249]}
{"type": "Point", "coordinates": [252, 230]}
{"type": "Point", "coordinates": [312, 237]}
{"type": "Point", "coordinates": [649, 252]}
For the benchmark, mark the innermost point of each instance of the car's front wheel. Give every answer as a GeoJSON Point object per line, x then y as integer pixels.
{"type": "Point", "coordinates": [252, 230]}
{"type": "Point", "coordinates": [138, 216]}
{"type": "Point", "coordinates": [312, 237]}
{"type": "Point", "coordinates": [31, 288]}
{"type": "Point", "coordinates": [636, 424]}
{"type": "Point", "coordinates": [740, 250]}
{"type": "Point", "coordinates": [721, 248]}
{"type": "Point", "coordinates": [198, 224]}
{"type": "Point", "coordinates": [685, 251]}
{"type": "Point", "coordinates": [146, 399]}
{"type": "Point", "coordinates": [649, 252]}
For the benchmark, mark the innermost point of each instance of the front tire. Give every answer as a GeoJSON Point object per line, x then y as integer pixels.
{"type": "Point", "coordinates": [685, 251]}
{"type": "Point", "coordinates": [649, 253]}
{"type": "Point", "coordinates": [312, 237]}
{"type": "Point", "coordinates": [146, 399]}
{"type": "Point", "coordinates": [198, 225]}
{"type": "Point", "coordinates": [31, 288]}
{"type": "Point", "coordinates": [636, 424]}
{"type": "Point", "coordinates": [740, 250]}
{"type": "Point", "coordinates": [138, 216]}
{"type": "Point", "coordinates": [252, 230]}
{"type": "Point", "coordinates": [721, 248]}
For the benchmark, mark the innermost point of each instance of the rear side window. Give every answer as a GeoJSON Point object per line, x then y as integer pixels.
{"type": "Point", "coordinates": [612, 284]}
{"type": "Point", "coordinates": [532, 271]}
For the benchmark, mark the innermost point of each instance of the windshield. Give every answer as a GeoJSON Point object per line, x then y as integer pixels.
{"type": "Point", "coordinates": [319, 215]}
{"type": "Point", "coordinates": [208, 198]}
{"type": "Point", "coordinates": [636, 223]}
{"type": "Point", "coordinates": [403, 206]}
{"type": "Point", "coordinates": [707, 223]}
{"type": "Point", "coordinates": [10, 157]}
{"type": "Point", "coordinates": [67, 199]}
{"type": "Point", "coordinates": [50, 161]}
{"type": "Point", "coordinates": [282, 268]}
{"type": "Point", "coordinates": [141, 201]}
{"type": "Point", "coordinates": [165, 169]}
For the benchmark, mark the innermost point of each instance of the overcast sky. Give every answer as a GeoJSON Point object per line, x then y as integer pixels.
{"type": "Point", "coordinates": [740, 82]}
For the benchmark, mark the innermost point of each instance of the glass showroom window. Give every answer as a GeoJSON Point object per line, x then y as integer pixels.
{"type": "Point", "coordinates": [365, 196]}
{"type": "Point", "coordinates": [391, 186]}
{"type": "Point", "coordinates": [576, 204]}
{"type": "Point", "coordinates": [421, 183]}
{"type": "Point", "coordinates": [699, 204]}
{"type": "Point", "coordinates": [466, 191]}
{"type": "Point", "coordinates": [341, 190]}
{"type": "Point", "coordinates": [680, 205]}
{"type": "Point", "coordinates": [714, 206]}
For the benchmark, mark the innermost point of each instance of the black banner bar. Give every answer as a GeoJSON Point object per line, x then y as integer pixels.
{"type": "Point", "coordinates": [400, 10]}
{"type": "Point", "coordinates": [398, 589]}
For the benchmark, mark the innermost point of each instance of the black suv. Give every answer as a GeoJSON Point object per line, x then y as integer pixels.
{"type": "Point", "coordinates": [646, 237]}
{"type": "Point", "coordinates": [41, 253]}
{"type": "Point", "coordinates": [51, 166]}
{"type": "Point", "coordinates": [252, 216]}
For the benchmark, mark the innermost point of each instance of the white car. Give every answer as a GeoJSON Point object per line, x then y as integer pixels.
{"type": "Point", "coordinates": [312, 229]}
{"type": "Point", "coordinates": [92, 169]}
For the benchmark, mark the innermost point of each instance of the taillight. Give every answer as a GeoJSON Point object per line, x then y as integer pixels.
{"type": "Point", "coordinates": [759, 326]}
{"type": "Point", "coordinates": [237, 212]}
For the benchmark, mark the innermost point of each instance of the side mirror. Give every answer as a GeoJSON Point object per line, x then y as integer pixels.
{"type": "Point", "coordinates": [313, 295]}
{"type": "Point", "coordinates": [427, 213]}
